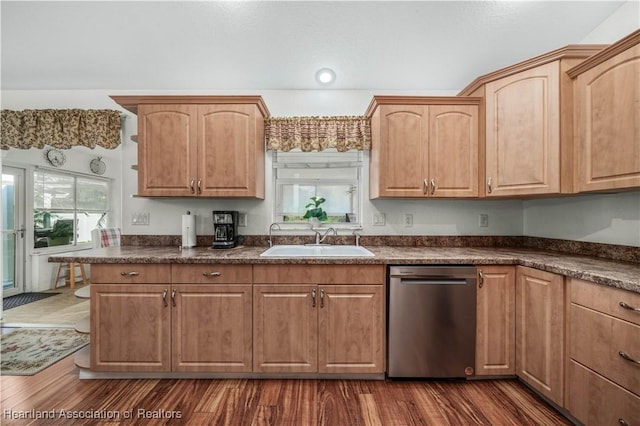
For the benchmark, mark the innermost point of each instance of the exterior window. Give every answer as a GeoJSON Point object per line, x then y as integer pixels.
{"type": "Point", "coordinates": [67, 207]}
{"type": "Point", "coordinates": [334, 176]}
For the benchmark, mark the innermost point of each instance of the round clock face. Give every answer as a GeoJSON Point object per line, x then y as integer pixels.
{"type": "Point", "coordinates": [55, 157]}
{"type": "Point", "coordinates": [97, 166]}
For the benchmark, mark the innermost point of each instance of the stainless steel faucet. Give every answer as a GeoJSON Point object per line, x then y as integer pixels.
{"type": "Point", "coordinates": [357, 235]}
{"type": "Point", "coordinates": [319, 239]}
{"type": "Point", "coordinates": [270, 231]}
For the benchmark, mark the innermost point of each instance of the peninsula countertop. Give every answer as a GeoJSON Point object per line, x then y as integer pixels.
{"type": "Point", "coordinates": [611, 273]}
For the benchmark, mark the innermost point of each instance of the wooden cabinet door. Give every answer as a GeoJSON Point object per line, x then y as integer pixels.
{"type": "Point", "coordinates": [453, 151]}
{"type": "Point", "coordinates": [608, 123]}
{"type": "Point", "coordinates": [130, 328]}
{"type": "Point", "coordinates": [403, 156]}
{"type": "Point", "coordinates": [495, 323]}
{"type": "Point", "coordinates": [540, 331]}
{"type": "Point", "coordinates": [230, 151]}
{"type": "Point", "coordinates": [523, 132]}
{"type": "Point", "coordinates": [285, 328]}
{"type": "Point", "coordinates": [211, 328]}
{"type": "Point", "coordinates": [351, 329]}
{"type": "Point", "coordinates": [167, 163]}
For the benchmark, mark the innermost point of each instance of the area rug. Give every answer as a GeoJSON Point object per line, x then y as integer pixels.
{"type": "Point", "coordinates": [23, 299]}
{"type": "Point", "coordinates": [27, 351]}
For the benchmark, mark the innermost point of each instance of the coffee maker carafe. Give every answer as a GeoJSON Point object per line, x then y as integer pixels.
{"type": "Point", "coordinates": [225, 228]}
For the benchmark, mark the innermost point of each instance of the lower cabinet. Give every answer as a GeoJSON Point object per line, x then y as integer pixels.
{"type": "Point", "coordinates": [204, 326]}
{"type": "Point", "coordinates": [604, 351]}
{"type": "Point", "coordinates": [495, 321]}
{"type": "Point", "coordinates": [540, 331]}
{"type": "Point", "coordinates": [326, 326]}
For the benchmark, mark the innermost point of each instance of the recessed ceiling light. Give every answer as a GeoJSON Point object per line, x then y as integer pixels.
{"type": "Point", "coordinates": [325, 76]}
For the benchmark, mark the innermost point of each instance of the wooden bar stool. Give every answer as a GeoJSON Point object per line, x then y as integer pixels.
{"type": "Point", "coordinates": [71, 275]}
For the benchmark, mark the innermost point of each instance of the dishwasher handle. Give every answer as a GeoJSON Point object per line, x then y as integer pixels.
{"type": "Point", "coordinates": [433, 281]}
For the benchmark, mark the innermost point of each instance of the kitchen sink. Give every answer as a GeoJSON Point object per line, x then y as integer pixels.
{"type": "Point", "coordinates": [316, 251]}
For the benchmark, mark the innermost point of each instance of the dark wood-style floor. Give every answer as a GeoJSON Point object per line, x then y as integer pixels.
{"type": "Point", "coordinates": [270, 402]}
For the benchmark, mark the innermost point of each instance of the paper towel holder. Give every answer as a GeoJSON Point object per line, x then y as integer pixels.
{"type": "Point", "coordinates": [188, 230]}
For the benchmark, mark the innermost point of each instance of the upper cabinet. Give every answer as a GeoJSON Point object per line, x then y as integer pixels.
{"type": "Point", "coordinates": [424, 147]}
{"type": "Point", "coordinates": [527, 143]}
{"type": "Point", "coordinates": [207, 146]}
{"type": "Point", "coordinates": [607, 117]}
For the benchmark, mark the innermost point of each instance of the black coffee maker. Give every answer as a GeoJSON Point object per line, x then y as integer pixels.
{"type": "Point", "coordinates": [225, 229]}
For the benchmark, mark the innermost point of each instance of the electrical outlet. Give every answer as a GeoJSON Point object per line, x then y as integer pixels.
{"type": "Point", "coordinates": [408, 220]}
{"type": "Point", "coordinates": [484, 220]}
{"type": "Point", "coordinates": [379, 219]}
{"type": "Point", "coordinates": [242, 219]}
{"type": "Point", "coordinates": [140, 218]}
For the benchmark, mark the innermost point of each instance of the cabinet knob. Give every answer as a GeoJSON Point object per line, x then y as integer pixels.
{"type": "Point", "coordinates": [173, 297]}
{"type": "Point", "coordinates": [164, 297]}
{"type": "Point", "coordinates": [433, 186]}
{"type": "Point", "coordinates": [129, 274]}
{"type": "Point", "coordinates": [193, 191]}
{"type": "Point", "coordinates": [626, 357]}
{"type": "Point", "coordinates": [322, 298]}
{"type": "Point", "coordinates": [481, 275]}
{"type": "Point", "coordinates": [199, 186]}
{"type": "Point", "coordinates": [425, 187]}
{"type": "Point", "coordinates": [623, 422]}
{"type": "Point", "coordinates": [489, 189]}
{"type": "Point", "coordinates": [211, 274]}
{"type": "Point", "coordinates": [313, 298]}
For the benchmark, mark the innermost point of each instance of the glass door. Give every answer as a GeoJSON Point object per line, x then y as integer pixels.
{"type": "Point", "coordinates": [12, 231]}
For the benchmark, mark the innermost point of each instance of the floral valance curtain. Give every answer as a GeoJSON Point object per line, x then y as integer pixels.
{"type": "Point", "coordinates": [60, 128]}
{"type": "Point", "coordinates": [318, 133]}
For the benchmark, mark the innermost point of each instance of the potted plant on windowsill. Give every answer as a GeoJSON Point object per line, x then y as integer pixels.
{"type": "Point", "coordinates": [314, 212]}
{"type": "Point", "coordinates": [60, 234]}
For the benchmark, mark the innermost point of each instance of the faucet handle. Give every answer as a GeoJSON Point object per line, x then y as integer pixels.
{"type": "Point", "coordinates": [357, 235]}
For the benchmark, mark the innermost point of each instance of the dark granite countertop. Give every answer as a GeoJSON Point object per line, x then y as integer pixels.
{"type": "Point", "coordinates": [606, 272]}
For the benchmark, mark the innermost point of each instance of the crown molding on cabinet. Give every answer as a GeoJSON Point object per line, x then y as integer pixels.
{"type": "Point", "coordinates": [570, 51]}
{"type": "Point", "coordinates": [605, 54]}
{"type": "Point", "coordinates": [130, 103]}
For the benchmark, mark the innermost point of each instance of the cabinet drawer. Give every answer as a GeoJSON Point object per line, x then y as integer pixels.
{"type": "Point", "coordinates": [596, 341]}
{"type": "Point", "coordinates": [318, 274]}
{"type": "Point", "coordinates": [605, 299]}
{"type": "Point", "coordinates": [211, 274]}
{"type": "Point", "coordinates": [594, 400]}
{"type": "Point", "coordinates": [130, 274]}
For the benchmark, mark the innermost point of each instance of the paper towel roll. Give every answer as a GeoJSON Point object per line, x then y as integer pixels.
{"type": "Point", "coordinates": [188, 230]}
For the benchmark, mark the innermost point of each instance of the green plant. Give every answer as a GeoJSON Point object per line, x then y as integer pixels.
{"type": "Point", "coordinates": [314, 209]}
{"type": "Point", "coordinates": [61, 229]}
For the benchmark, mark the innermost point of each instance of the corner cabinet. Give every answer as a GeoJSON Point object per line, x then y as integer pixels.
{"type": "Point", "coordinates": [527, 146]}
{"type": "Point", "coordinates": [424, 147]}
{"type": "Point", "coordinates": [318, 319]}
{"type": "Point", "coordinates": [540, 321]}
{"type": "Point", "coordinates": [495, 323]}
{"type": "Point", "coordinates": [199, 146]}
{"type": "Point", "coordinates": [607, 118]}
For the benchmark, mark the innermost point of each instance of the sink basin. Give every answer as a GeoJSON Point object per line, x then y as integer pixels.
{"type": "Point", "coordinates": [316, 251]}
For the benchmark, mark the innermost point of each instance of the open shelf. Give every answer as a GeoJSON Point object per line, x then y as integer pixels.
{"type": "Point", "coordinates": [134, 138]}
{"type": "Point", "coordinates": [82, 358]}
{"type": "Point", "coordinates": [83, 293]}
{"type": "Point", "coordinates": [84, 325]}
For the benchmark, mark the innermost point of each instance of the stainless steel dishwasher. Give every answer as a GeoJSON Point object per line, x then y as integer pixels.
{"type": "Point", "coordinates": [432, 321]}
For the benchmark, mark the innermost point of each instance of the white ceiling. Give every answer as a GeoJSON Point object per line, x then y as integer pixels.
{"type": "Point", "coordinates": [424, 45]}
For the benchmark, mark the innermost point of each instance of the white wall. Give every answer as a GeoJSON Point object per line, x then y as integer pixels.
{"type": "Point", "coordinates": [606, 218]}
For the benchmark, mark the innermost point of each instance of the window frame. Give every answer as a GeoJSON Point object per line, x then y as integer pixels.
{"type": "Point", "coordinates": [356, 183]}
{"type": "Point", "coordinates": [75, 211]}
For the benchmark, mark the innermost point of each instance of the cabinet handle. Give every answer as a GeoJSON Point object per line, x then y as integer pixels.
{"type": "Point", "coordinates": [425, 187]}
{"type": "Point", "coordinates": [481, 275]}
{"type": "Point", "coordinates": [211, 274]}
{"type": "Point", "coordinates": [623, 422]}
{"type": "Point", "coordinates": [199, 186]}
{"type": "Point", "coordinates": [130, 274]}
{"type": "Point", "coordinates": [313, 298]}
{"type": "Point", "coordinates": [173, 297]}
{"type": "Point", "coordinates": [164, 297]}
{"type": "Point", "coordinates": [193, 191]}
{"type": "Point", "coordinates": [489, 189]}
{"type": "Point", "coordinates": [321, 298]}
{"type": "Point", "coordinates": [629, 307]}
{"type": "Point", "coordinates": [626, 357]}
{"type": "Point", "coordinates": [433, 186]}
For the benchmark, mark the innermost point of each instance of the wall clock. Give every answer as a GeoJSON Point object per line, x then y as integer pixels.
{"type": "Point", "coordinates": [98, 166]}
{"type": "Point", "coordinates": [55, 157]}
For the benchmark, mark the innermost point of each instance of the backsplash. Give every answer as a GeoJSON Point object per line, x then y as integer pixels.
{"type": "Point", "coordinates": [605, 251]}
